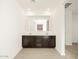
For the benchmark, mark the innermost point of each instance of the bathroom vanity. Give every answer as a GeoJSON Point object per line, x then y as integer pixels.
{"type": "Point", "coordinates": [39, 33]}
{"type": "Point", "coordinates": [40, 41]}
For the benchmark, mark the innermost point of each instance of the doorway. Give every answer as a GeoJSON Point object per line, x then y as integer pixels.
{"type": "Point", "coordinates": [71, 26]}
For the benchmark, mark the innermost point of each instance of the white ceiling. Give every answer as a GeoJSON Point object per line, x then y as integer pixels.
{"type": "Point", "coordinates": [39, 4]}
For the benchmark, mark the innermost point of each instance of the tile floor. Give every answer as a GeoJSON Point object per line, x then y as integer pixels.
{"type": "Point", "coordinates": [47, 53]}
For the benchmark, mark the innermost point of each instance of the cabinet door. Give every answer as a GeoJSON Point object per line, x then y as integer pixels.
{"type": "Point", "coordinates": [38, 41]}
{"type": "Point", "coordinates": [45, 41]}
{"type": "Point", "coordinates": [32, 42]}
{"type": "Point", "coordinates": [25, 42]}
{"type": "Point", "coordinates": [51, 42]}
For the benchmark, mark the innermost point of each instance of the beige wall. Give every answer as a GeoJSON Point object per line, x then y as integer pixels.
{"type": "Point", "coordinates": [72, 23]}
{"type": "Point", "coordinates": [75, 29]}
{"type": "Point", "coordinates": [68, 25]}
{"type": "Point", "coordinates": [59, 19]}
{"type": "Point", "coordinates": [75, 21]}
{"type": "Point", "coordinates": [10, 37]}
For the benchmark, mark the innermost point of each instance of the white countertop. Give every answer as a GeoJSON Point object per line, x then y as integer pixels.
{"type": "Point", "coordinates": [39, 33]}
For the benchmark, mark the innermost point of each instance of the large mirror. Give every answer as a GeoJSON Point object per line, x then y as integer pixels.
{"type": "Point", "coordinates": [39, 23]}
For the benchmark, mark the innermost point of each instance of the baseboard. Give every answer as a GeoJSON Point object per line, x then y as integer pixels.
{"type": "Point", "coordinates": [62, 54]}
{"type": "Point", "coordinates": [16, 53]}
{"type": "Point", "coordinates": [68, 43]}
{"type": "Point", "coordinates": [75, 42]}
{"type": "Point", "coordinates": [4, 58]}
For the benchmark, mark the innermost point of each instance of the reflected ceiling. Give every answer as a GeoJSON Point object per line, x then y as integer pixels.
{"type": "Point", "coordinates": [39, 4]}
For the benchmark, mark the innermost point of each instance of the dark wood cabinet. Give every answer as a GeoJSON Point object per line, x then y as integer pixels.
{"type": "Point", "coordinates": [38, 41]}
